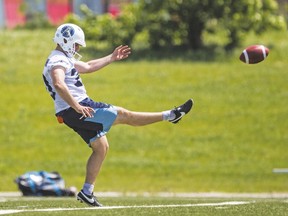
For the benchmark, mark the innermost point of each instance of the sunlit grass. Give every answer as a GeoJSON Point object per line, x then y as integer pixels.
{"type": "Point", "coordinates": [233, 138]}
{"type": "Point", "coordinates": [148, 206]}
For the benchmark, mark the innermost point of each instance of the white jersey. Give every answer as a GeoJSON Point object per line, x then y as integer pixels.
{"type": "Point", "coordinates": [72, 80]}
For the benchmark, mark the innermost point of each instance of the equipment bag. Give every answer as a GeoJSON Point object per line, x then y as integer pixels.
{"type": "Point", "coordinates": [42, 183]}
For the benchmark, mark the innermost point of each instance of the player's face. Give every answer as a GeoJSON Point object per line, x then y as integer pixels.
{"type": "Point", "coordinates": [77, 47]}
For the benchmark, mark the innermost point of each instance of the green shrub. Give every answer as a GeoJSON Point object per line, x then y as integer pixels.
{"type": "Point", "coordinates": [106, 29]}
{"type": "Point", "coordinates": [184, 23]}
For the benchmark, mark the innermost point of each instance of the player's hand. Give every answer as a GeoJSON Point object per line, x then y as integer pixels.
{"type": "Point", "coordinates": [121, 52]}
{"type": "Point", "coordinates": [85, 111]}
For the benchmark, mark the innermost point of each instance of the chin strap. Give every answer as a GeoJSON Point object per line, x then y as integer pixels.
{"type": "Point", "coordinates": [77, 56]}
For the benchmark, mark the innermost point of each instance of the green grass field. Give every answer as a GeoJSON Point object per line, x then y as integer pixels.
{"type": "Point", "coordinates": [147, 206]}
{"type": "Point", "coordinates": [234, 137]}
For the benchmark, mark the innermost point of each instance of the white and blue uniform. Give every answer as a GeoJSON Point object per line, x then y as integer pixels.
{"type": "Point", "coordinates": [89, 128]}
{"type": "Point", "coordinates": [72, 80]}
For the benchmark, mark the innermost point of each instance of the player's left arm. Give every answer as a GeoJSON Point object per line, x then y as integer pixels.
{"type": "Point", "coordinates": [120, 53]}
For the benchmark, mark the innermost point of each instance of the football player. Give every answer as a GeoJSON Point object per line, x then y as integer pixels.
{"type": "Point", "coordinates": [91, 119]}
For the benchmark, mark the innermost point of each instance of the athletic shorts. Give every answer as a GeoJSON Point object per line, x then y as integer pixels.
{"type": "Point", "coordinates": [90, 128]}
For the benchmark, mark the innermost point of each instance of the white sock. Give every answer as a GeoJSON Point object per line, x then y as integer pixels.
{"type": "Point", "coordinates": [88, 188]}
{"type": "Point", "coordinates": [168, 115]}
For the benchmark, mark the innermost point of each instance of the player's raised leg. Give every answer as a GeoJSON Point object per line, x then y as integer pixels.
{"type": "Point", "coordinates": [125, 116]}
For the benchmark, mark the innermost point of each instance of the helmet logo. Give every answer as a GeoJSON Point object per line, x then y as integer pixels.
{"type": "Point", "coordinates": [67, 31]}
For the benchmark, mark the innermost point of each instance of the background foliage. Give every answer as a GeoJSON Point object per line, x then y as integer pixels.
{"type": "Point", "coordinates": [182, 23]}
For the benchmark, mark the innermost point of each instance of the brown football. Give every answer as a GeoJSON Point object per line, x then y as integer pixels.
{"type": "Point", "coordinates": [254, 54]}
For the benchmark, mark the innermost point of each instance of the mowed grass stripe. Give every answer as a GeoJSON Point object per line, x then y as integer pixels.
{"type": "Point", "coordinates": [148, 206]}
{"type": "Point", "coordinates": [11, 211]}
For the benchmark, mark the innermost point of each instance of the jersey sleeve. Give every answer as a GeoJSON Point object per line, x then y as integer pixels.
{"type": "Point", "coordinates": [58, 61]}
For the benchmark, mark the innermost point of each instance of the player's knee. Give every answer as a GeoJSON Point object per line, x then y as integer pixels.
{"type": "Point", "coordinates": [124, 116]}
{"type": "Point", "coordinates": [100, 146]}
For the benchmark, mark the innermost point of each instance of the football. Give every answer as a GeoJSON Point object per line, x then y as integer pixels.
{"type": "Point", "coordinates": [254, 54]}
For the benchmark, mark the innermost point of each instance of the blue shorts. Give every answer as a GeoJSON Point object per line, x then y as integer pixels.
{"type": "Point", "coordinates": [90, 128]}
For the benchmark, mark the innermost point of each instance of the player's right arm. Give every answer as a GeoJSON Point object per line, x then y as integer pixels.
{"type": "Point", "coordinates": [58, 77]}
{"type": "Point", "coordinates": [120, 53]}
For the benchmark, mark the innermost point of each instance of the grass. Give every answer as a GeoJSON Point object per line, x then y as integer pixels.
{"type": "Point", "coordinates": [149, 206]}
{"type": "Point", "coordinates": [234, 137]}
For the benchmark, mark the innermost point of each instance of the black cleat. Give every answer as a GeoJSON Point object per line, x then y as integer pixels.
{"type": "Point", "coordinates": [182, 110]}
{"type": "Point", "coordinates": [88, 199]}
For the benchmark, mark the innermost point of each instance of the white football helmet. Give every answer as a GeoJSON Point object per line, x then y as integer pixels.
{"type": "Point", "coordinates": [67, 35]}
